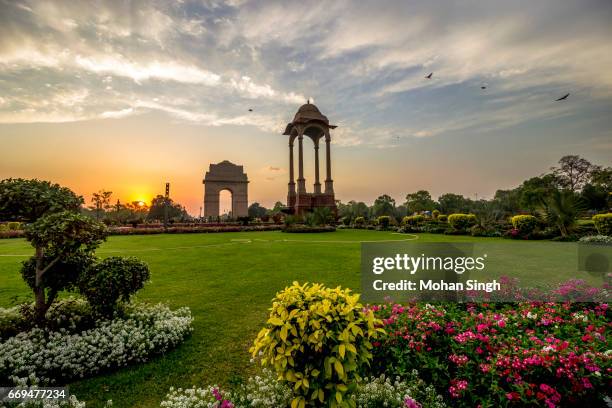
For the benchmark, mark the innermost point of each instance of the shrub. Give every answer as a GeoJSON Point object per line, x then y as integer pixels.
{"type": "Point", "coordinates": [495, 355]}
{"type": "Point", "coordinates": [435, 214]}
{"type": "Point", "coordinates": [524, 224]}
{"type": "Point", "coordinates": [461, 222]}
{"type": "Point", "coordinates": [381, 391]}
{"type": "Point", "coordinates": [14, 226]}
{"type": "Point", "coordinates": [359, 222]}
{"type": "Point", "coordinates": [442, 218]}
{"type": "Point", "coordinates": [262, 391]}
{"type": "Point", "coordinates": [299, 228]}
{"type": "Point", "coordinates": [43, 356]}
{"type": "Point", "coordinates": [597, 239]}
{"type": "Point", "coordinates": [112, 279]}
{"type": "Point", "coordinates": [383, 221]}
{"type": "Point", "coordinates": [210, 397]}
{"type": "Point", "coordinates": [413, 220]}
{"type": "Point", "coordinates": [317, 339]}
{"type": "Point", "coordinates": [603, 223]}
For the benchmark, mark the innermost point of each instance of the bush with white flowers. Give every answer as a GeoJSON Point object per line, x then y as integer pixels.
{"type": "Point", "coordinates": [47, 356]}
{"type": "Point", "coordinates": [265, 391]}
{"type": "Point", "coordinates": [382, 391]}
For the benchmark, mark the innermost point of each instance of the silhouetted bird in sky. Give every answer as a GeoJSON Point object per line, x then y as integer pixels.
{"type": "Point", "coordinates": [483, 87]}
{"type": "Point", "coordinates": [429, 76]}
{"type": "Point", "coordinates": [564, 97]}
{"type": "Point", "coordinates": [250, 110]}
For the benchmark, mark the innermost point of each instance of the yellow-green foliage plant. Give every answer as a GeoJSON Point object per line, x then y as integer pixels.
{"type": "Point", "coordinates": [318, 339]}
{"type": "Point", "coordinates": [461, 222]}
{"type": "Point", "coordinates": [603, 223]}
{"type": "Point", "coordinates": [525, 224]}
{"type": "Point", "coordinates": [413, 220]}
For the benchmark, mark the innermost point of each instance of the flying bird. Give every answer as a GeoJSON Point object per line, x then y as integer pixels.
{"type": "Point", "coordinates": [250, 110]}
{"type": "Point", "coordinates": [429, 76]}
{"type": "Point", "coordinates": [483, 87]}
{"type": "Point", "coordinates": [564, 97]}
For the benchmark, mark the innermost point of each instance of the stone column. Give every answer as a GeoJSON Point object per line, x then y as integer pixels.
{"type": "Point", "coordinates": [329, 184]}
{"type": "Point", "coordinates": [301, 181]}
{"type": "Point", "coordinates": [291, 175]}
{"type": "Point", "coordinates": [317, 183]}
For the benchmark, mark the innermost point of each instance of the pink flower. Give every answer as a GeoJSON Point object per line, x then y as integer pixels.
{"type": "Point", "coordinates": [410, 403]}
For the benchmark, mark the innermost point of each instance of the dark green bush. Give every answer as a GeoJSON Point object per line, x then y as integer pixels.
{"type": "Point", "coordinates": [111, 280]}
{"type": "Point", "coordinates": [384, 221]}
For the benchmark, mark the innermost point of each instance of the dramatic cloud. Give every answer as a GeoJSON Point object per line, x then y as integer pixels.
{"type": "Point", "coordinates": [209, 62]}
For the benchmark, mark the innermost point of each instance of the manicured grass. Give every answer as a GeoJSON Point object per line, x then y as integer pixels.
{"type": "Point", "coordinates": [228, 280]}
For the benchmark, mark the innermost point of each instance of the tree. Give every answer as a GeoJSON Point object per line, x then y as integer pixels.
{"type": "Point", "coordinates": [28, 200]}
{"type": "Point", "coordinates": [419, 202]}
{"type": "Point", "coordinates": [64, 244]}
{"type": "Point", "coordinates": [100, 202]}
{"type": "Point", "coordinates": [383, 205]}
{"type": "Point", "coordinates": [562, 209]}
{"type": "Point", "coordinates": [175, 210]}
{"type": "Point", "coordinates": [536, 189]}
{"type": "Point", "coordinates": [450, 203]}
{"type": "Point", "coordinates": [257, 211]}
{"type": "Point", "coordinates": [508, 201]}
{"type": "Point", "coordinates": [573, 172]}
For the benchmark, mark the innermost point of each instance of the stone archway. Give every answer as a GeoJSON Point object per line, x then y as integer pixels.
{"type": "Point", "coordinates": [226, 176]}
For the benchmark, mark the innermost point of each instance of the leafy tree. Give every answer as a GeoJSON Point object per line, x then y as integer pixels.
{"type": "Point", "coordinates": [419, 202]}
{"type": "Point", "coordinates": [508, 201]}
{"type": "Point", "coordinates": [100, 202]}
{"type": "Point", "coordinates": [28, 200]}
{"type": "Point", "coordinates": [450, 203]}
{"type": "Point", "coordinates": [64, 243]}
{"type": "Point", "coordinates": [536, 189]}
{"type": "Point", "coordinates": [573, 172]}
{"type": "Point", "coordinates": [257, 211]}
{"type": "Point", "coordinates": [175, 210]}
{"type": "Point", "coordinates": [383, 205]}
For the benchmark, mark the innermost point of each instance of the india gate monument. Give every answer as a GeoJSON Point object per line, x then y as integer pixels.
{"type": "Point", "coordinates": [309, 121]}
{"type": "Point", "coordinates": [226, 176]}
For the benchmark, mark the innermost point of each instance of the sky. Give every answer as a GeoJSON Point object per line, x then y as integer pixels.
{"type": "Point", "coordinates": [128, 95]}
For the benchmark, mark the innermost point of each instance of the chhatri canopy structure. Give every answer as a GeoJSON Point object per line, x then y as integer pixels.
{"type": "Point", "coordinates": [309, 121]}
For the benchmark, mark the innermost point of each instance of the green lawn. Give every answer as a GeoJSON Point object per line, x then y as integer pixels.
{"type": "Point", "coordinates": [228, 280]}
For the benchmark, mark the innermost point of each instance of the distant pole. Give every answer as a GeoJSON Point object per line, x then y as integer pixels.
{"type": "Point", "coordinates": [166, 201]}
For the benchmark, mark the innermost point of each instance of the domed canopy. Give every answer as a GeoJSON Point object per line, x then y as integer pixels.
{"type": "Point", "coordinates": [308, 113]}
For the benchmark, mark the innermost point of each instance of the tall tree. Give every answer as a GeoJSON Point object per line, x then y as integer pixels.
{"type": "Point", "coordinates": [383, 205]}
{"type": "Point", "coordinates": [453, 203]}
{"type": "Point", "coordinates": [176, 212]}
{"type": "Point", "coordinates": [100, 202]}
{"type": "Point", "coordinates": [573, 172]}
{"type": "Point", "coordinates": [257, 211]}
{"type": "Point", "coordinates": [419, 202]}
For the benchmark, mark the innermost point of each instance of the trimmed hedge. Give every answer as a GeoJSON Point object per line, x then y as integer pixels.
{"type": "Point", "coordinates": [461, 222]}
{"type": "Point", "coordinates": [603, 223]}
{"type": "Point", "coordinates": [524, 224]}
{"type": "Point", "coordinates": [413, 220]}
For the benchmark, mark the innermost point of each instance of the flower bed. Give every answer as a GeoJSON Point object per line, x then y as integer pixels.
{"type": "Point", "coordinates": [47, 356]}
{"type": "Point", "coordinates": [192, 229]}
{"type": "Point", "coordinates": [264, 391]}
{"type": "Point", "coordinates": [542, 354]}
{"type": "Point", "coordinates": [299, 228]}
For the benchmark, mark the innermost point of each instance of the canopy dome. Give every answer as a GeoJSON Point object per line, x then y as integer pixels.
{"type": "Point", "coordinates": [308, 113]}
